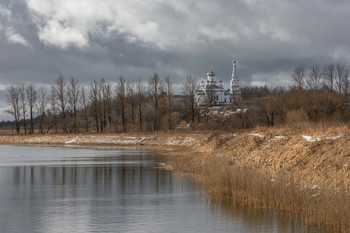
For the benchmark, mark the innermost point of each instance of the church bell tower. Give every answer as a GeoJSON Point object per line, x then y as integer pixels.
{"type": "Point", "coordinates": [235, 90]}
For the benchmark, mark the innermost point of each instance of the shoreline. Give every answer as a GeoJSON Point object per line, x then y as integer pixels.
{"type": "Point", "coordinates": [301, 171]}
{"type": "Point", "coordinates": [312, 156]}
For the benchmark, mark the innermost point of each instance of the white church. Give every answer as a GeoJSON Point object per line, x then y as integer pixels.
{"type": "Point", "coordinates": [212, 92]}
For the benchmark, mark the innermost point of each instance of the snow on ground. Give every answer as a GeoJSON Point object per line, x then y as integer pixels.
{"type": "Point", "coordinates": [178, 141]}
{"type": "Point", "coordinates": [312, 139]}
{"type": "Point", "coordinates": [119, 140]}
{"type": "Point", "coordinates": [171, 142]}
{"type": "Point", "coordinates": [71, 141]}
{"type": "Point", "coordinates": [38, 140]}
{"type": "Point", "coordinates": [332, 138]}
{"type": "Point", "coordinates": [276, 138]}
{"type": "Point", "coordinates": [256, 135]}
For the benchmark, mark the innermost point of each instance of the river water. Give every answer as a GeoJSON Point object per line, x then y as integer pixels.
{"type": "Point", "coordinates": [69, 189]}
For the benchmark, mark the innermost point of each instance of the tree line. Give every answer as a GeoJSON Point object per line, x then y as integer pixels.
{"type": "Point", "coordinates": [69, 107]}
{"type": "Point", "coordinates": [317, 95]}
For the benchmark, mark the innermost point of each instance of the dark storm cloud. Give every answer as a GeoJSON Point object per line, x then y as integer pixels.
{"type": "Point", "coordinates": [41, 40]}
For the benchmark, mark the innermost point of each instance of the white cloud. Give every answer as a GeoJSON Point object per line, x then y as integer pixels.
{"type": "Point", "coordinates": [69, 23]}
{"type": "Point", "coordinates": [15, 38]}
{"type": "Point", "coordinates": [3, 87]}
{"type": "Point", "coordinates": [4, 12]}
{"type": "Point", "coordinates": [57, 34]}
{"type": "Point", "coordinates": [258, 83]}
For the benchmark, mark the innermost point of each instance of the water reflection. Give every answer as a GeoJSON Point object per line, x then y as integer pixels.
{"type": "Point", "coordinates": [50, 189]}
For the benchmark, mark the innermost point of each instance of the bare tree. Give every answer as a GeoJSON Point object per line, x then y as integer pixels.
{"type": "Point", "coordinates": [84, 104]}
{"type": "Point", "coordinates": [73, 94]}
{"type": "Point", "coordinates": [32, 98]}
{"type": "Point", "coordinates": [169, 92]}
{"type": "Point", "coordinates": [42, 108]}
{"type": "Point", "coordinates": [132, 101]}
{"type": "Point", "coordinates": [107, 105]}
{"type": "Point", "coordinates": [314, 78]}
{"type": "Point", "coordinates": [62, 99]}
{"type": "Point", "coordinates": [298, 77]}
{"type": "Point", "coordinates": [155, 86]}
{"type": "Point", "coordinates": [94, 93]}
{"type": "Point", "coordinates": [340, 77]}
{"type": "Point", "coordinates": [22, 94]}
{"type": "Point", "coordinates": [102, 106]}
{"type": "Point", "coordinates": [328, 76]}
{"type": "Point", "coordinates": [121, 100]}
{"type": "Point", "coordinates": [266, 110]}
{"type": "Point", "coordinates": [140, 102]}
{"type": "Point", "coordinates": [13, 98]}
{"type": "Point", "coordinates": [189, 90]}
{"type": "Point", "coordinates": [53, 103]}
{"type": "Point", "coordinates": [346, 85]}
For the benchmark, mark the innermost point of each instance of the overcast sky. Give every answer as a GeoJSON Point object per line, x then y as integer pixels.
{"type": "Point", "coordinates": [91, 39]}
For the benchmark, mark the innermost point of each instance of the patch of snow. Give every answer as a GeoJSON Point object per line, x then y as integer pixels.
{"type": "Point", "coordinates": [276, 138]}
{"type": "Point", "coordinates": [170, 143]}
{"type": "Point", "coordinates": [332, 138]}
{"type": "Point", "coordinates": [256, 135]}
{"type": "Point", "coordinates": [142, 139]}
{"type": "Point", "coordinates": [124, 142]}
{"type": "Point", "coordinates": [177, 141]}
{"type": "Point", "coordinates": [312, 139]}
{"type": "Point", "coordinates": [71, 141]}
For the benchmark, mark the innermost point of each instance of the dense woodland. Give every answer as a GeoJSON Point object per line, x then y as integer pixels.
{"type": "Point", "coordinates": [318, 95]}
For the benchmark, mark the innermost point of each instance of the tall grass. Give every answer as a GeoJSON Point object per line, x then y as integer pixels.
{"type": "Point", "coordinates": [322, 206]}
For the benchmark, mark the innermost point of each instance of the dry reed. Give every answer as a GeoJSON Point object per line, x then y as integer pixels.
{"type": "Point", "coordinates": [321, 206]}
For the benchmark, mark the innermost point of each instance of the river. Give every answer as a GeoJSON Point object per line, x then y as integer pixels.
{"type": "Point", "coordinates": [72, 189]}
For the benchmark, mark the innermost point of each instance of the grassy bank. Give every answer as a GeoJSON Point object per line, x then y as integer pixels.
{"type": "Point", "coordinates": [301, 169]}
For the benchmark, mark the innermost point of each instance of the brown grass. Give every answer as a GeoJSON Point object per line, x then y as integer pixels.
{"type": "Point", "coordinates": [320, 205]}
{"type": "Point", "coordinates": [308, 179]}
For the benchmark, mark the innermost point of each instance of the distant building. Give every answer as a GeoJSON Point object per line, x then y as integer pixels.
{"type": "Point", "coordinates": [212, 92]}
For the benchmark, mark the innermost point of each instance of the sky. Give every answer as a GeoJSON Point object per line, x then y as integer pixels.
{"type": "Point", "coordinates": [94, 39]}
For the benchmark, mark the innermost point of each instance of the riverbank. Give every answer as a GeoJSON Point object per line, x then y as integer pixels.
{"type": "Point", "coordinates": [303, 170]}
{"type": "Point", "coordinates": [312, 155]}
